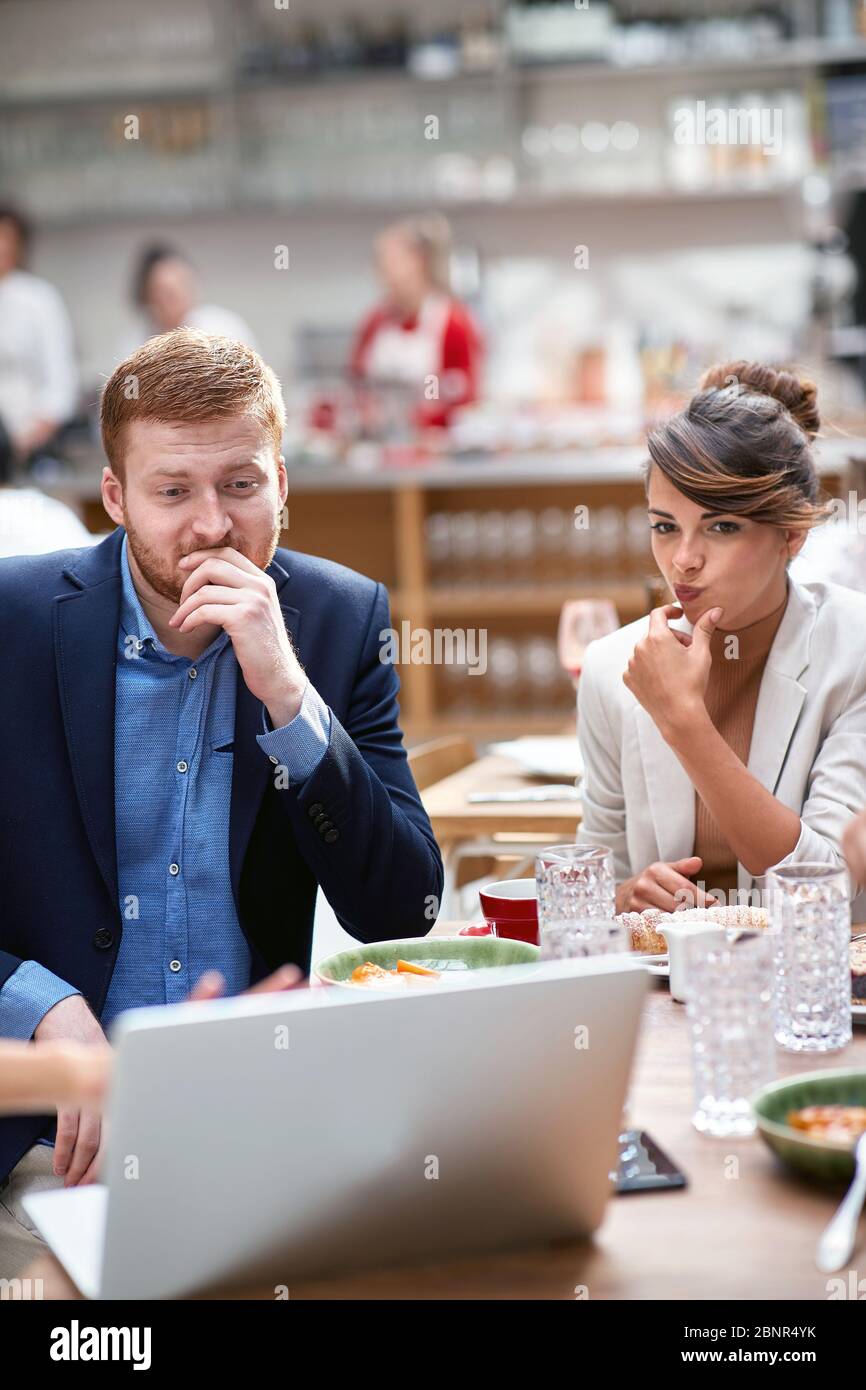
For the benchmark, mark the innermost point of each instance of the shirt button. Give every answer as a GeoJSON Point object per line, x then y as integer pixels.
{"type": "Point", "coordinates": [175, 965]}
{"type": "Point", "coordinates": [183, 766]}
{"type": "Point", "coordinates": [174, 868]}
{"type": "Point", "coordinates": [274, 760]}
{"type": "Point", "coordinates": [192, 673]}
{"type": "Point", "coordinates": [103, 939]}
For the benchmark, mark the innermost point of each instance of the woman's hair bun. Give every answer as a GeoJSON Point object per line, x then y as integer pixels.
{"type": "Point", "coordinates": [799, 397]}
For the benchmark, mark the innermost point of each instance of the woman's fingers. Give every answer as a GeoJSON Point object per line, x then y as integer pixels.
{"type": "Point", "coordinates": [287, 977]}
{"type": "Point", "coordinates": [854, 847]}
{"type": "Point", "coordinates": [666, 886]}
{"type": "Point", "coordinates": [681, 889]}
{"type": "Point", "coordinates": [210, 985]}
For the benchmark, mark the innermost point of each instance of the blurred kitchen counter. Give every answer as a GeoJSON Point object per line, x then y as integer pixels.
{"type": "Point", "coordinates": [606, 464]}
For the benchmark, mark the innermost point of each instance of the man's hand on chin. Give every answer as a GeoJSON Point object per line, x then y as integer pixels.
{"type": "Point", "coordinates": [226, 589]}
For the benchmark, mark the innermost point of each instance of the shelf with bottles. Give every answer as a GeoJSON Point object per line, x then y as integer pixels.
{"type": "Point", "coordinates": [521, 141]}
{"type": "Point", "coordinates": [119, 44]}
{"type": "Point", "coordinates": [505, 670]}
{"type": "Point", "coordinates": [539, 544]}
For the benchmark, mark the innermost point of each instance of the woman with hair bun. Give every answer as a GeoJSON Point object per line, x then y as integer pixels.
{"type": "Point", "coordinates": [726, 732]}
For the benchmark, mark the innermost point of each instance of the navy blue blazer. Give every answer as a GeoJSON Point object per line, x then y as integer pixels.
{"type": "Point", "coordinates": [59, 899]}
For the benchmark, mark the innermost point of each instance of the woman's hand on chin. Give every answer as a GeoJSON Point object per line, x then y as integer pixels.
{"type": "Point", "coordinates": [668, 671]}
{"type": "Point", "coordinates": [664, 886]}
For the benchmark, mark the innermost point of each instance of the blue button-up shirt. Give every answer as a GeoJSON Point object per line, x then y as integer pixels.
{"type": "Point", "coordinates": [173, 757]}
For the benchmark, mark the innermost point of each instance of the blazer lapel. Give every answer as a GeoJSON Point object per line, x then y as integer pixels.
{"type": "Point", "coordinates": [251, 769]}
{"type": "Point", "coordinates": [85, 646]}
{"type": "Point", "coordinates": [670, 793]}
{"type": "Point", "coordinates": [781, 695]}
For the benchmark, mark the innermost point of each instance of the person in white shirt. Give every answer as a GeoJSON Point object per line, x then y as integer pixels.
{"type": "Point", "coordinates": [166, 292]}
{"type": "Point", "coordinates": [835, 553]}
{"type": "Point", "coordinates": [38, 373]}
{"type": "Point", "coordinates": [30, 522]}
{"type": "Point", "coordinates": [33, 524]}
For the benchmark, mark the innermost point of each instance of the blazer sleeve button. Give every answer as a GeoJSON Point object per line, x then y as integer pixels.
{"type": "Point", "coordinates": [315, 810]}
{"type": "Point", "coordinates": [331, 835]}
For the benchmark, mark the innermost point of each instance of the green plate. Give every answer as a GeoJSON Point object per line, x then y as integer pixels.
{"type": "Point", "coordinates": [829, 1160]}
{"type": "Point", "coordinates": [446, 953]}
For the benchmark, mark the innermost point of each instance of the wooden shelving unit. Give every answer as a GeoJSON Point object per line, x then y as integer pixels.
{"type": "Point", "coordinates": [376, 523]}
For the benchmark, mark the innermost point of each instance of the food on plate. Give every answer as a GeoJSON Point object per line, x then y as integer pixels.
{"type": "Point", "coordinates": [406, 975]}
{"type": "Point", "coordinates": [735, 915]}
{"type": "Point", "coordinates": [642, 930]}
{"type": "Point", "coordinates": [858, 972]}
{"type": "Point", "coordinates": [839, 1122]}
{"type": "Point", "coordinates": [644, 927]}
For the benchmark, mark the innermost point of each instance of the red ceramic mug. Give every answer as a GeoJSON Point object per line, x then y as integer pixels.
{"type": "Point", "coordinates": [510, 908]}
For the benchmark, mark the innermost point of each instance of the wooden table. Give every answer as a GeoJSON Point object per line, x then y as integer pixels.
{"type": "Point", "coordinates": [493, 827]}
{"type": "Point", "coordinates": [743, 1228]}
{"type": "Point", "coordinates": [454, 818]}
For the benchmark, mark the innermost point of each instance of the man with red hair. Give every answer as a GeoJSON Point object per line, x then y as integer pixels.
{"type": "Point", "coordinates": [196, 734]}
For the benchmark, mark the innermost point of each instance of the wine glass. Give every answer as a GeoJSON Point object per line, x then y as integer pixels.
{"type": "Point", "coordinates": [580, 622]}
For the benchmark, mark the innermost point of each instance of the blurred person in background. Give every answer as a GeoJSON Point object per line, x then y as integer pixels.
{"type": "Point", "coordinates": [419, 337]}
{"type": "Point", "coordinates": [38, 374]}
{"type": "Point", "coordinates": [167, 294]}
{"type": "Point", "coordinates": [836, 552]}
{"type": "Point", "coordinates": [30, 522]}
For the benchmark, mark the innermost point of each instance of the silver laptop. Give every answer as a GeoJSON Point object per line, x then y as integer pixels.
{"type": "Point", "coordinates": [256, 1141]}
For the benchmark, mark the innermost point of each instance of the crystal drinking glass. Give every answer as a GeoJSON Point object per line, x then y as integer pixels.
{"type": "Point", "coordinates": [574, 881]}
{"type": "Point", "coordinates": [810, 907]}
{"type": "Point", "coordinates": [730, 975]}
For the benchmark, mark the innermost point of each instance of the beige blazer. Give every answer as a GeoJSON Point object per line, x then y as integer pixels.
{"type": "Point", "coordinates": [808, 742]}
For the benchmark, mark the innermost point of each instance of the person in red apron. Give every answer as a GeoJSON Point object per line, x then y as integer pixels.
{"type": "Point", "coordinates": [420, 337]}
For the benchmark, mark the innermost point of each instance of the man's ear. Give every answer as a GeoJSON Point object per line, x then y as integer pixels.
{"type": "Point", "coordinates": [283, 479]}
{"type": "Point", "coordinates": [112, 495]}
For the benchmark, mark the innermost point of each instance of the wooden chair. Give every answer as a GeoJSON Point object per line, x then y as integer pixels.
{"type": "Point", "coordinates": [494, 858]}
{"type": "Point", "coordinates": [439, 758]}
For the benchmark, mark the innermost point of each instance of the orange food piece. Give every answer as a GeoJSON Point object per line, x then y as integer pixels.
{"type": "Point", "coordinates": [411, 969]}
{"type": "Point", "coordinates": [830, 1121]}
{"type": "Point", "coordinates": [368, 971]}
{"type": "Point", "coordinates": [406, 974]}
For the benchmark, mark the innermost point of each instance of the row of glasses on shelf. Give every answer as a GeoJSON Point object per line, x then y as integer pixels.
{"type": "Point", "coordinates": [749, 990]}
{"type": "Point", "coordinates": [520, 546]}
{"type": "Point", "coordinates": [519, 674]}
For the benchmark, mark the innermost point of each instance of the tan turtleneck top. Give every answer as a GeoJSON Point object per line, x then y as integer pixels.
{"type": "Point", "coordinates": [731, 699]}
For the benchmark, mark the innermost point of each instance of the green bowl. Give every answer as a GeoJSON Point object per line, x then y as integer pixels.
{"type": "Point", "coordinates": [446, 953]}
{"type": "Point", "coordinates": [829, 1160]}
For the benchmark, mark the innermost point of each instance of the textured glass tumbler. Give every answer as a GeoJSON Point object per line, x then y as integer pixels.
{"type": "Point", "coordinates": [730, 1008]}
{"type": "Point", "coordinates": [573, 882]}
{"type": "Point", "coordinates": [809, 906]}
{"type": "Point", "coordinates": [588, 936]}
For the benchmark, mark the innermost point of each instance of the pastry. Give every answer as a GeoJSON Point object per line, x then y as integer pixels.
{"type": "Point", "coordinates": [858, 972]}
{"type": "Point", "coordinates": [642, 930]}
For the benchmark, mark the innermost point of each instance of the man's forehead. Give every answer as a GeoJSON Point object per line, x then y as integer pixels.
{"type": "Point", "coordinates": [207, 443]}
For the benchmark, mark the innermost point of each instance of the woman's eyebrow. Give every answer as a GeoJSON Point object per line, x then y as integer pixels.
{"type": "Point", "coordinates": [705, 516]}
